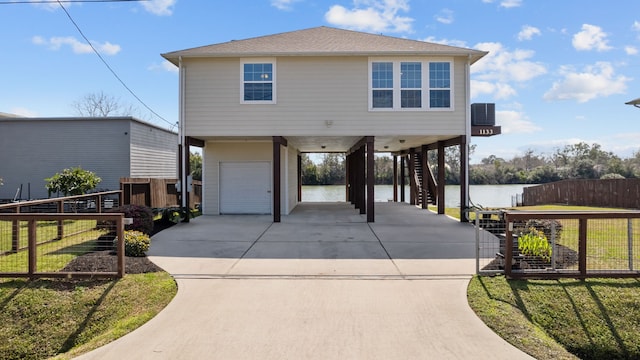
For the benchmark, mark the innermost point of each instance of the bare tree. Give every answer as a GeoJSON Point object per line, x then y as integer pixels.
{"type": "Point", "coordinates": [101, 105]}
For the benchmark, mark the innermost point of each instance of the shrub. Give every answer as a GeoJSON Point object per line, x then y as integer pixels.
{"type": "Point", "coordinates": [136, 243]}
{"type": "Point", "coordinates": [142, 217]}
{"type": "Point", "coordinates": [74, 181]}
{"type": "Point", "coordinates": [545, 225]}
{"type": "Point", "coordinates": [534, 243]}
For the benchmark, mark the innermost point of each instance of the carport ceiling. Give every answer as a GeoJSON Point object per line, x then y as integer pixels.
{"type": "Point", "coordinates": [321, 144]}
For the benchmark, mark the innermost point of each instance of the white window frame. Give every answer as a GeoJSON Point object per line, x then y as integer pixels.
{"type": "Point", "coordinates": [425, 90]}
{"type": "Point", "coordinates": [273, 81]}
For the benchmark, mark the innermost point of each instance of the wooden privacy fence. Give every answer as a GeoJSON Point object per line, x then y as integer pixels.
{"type": "Point", "coordinates": [157, 193]}
{"type": "Point", "coordinates": [574, 244]}
{"type": "Point", "coordinates": [40, 252]}
{"type": "Point", "coordinates": [615, 193]}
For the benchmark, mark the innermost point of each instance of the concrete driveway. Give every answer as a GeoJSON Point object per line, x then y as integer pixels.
{"type": "Point", "coordinates": [322, 284]}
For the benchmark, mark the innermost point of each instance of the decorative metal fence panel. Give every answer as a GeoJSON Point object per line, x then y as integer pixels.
{"type": "Point", "coordinates": [490, 235]}
{"type": "Point", "coordinates": [61, 245]}
{"type": "Point", "coordinates": [577, 244]}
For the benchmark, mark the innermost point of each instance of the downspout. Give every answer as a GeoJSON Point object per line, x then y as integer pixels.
{"type": "Point", "coordinates": [181, 131]}
{"type": "Point", "coordinates": [467, 126]}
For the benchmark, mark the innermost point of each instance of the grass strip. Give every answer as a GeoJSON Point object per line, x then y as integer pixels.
{"type": "Point", "coordinates": [591, 319]}
{"type": "Point", "coordinates": [45, 318]}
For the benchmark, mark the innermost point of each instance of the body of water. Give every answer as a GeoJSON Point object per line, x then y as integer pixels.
{"type": "Point", "coordinates": [484, 195]}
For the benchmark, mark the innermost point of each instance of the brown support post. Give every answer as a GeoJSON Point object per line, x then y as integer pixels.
{"type": "Point", "coordinates": [582, 246]}
{"type": "Point", "coordinates": [464, 179]}
{"type": "Point", "coordinates": [61, 222]}
{"type": "Point", "coordinates": [362, 177]}
{"type": "Point", "coordinates": [347, 179]}
{"type": "Point", "coordinates": [441, 177]}
{"type": "Point", "coordinates": [33, 267]}
{"type": "Point", "coordinates": [370, 180]}
{"type": "Point", "coordinates": [425, 176]}
{"type": "Point", "coordinates": [15, 236]}
{"type": "Point", "coordinates": [276, 179]}
{"type": "Point", "coordinates": [299, 178]}
{"type": "Point", "coordinates": [395, 178]}
{"type": "Point", "coordinates": [120, 245]}
{"type": "Point", "coordinates": [412, 179]}
{"type": "Point", "coordinates": [403, 165]}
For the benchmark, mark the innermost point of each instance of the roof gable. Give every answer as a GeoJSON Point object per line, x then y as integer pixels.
{"type": "Point", "coordinates": [323, 41]}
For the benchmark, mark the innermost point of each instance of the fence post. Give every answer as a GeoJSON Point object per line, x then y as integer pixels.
{"type": "Point", "coordinates": [15, 233]}
{"type": "Point", "coordinates": [630, 241]}
{"type": "Point", "coordinates": [508, 247]}
{"type": "Point", "coordinates": [32, 247]}
{"type": "Point", "coordinates": [582, 247]}
{"type": "Point", "coordinates": [120, 234]}
{"type": "Point", "coordinates": [60, 222]}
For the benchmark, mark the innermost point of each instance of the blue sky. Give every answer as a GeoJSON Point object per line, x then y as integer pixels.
{"type": "Point", "coordinates": [558, 71]}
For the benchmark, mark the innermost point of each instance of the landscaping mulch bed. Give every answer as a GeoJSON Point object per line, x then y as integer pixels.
{"type": "Point", "coordinates": [107, 261]}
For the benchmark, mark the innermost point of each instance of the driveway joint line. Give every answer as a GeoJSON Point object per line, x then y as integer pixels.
{"type": "Point", "coordinates": [385, 251]}
{"type": "Point", "coordinates": [249, 248]}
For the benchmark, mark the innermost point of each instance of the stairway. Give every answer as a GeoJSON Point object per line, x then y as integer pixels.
{"type": "Point", "coordinates": [420, 184]}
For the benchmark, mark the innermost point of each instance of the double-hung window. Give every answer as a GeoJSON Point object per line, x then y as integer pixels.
{"type": "Point", "coordinates": [439, 85]}
{"type": "Point", "coordinates": [410, 85]}
{"type": "Point", "coordinates": [258, 82]}
{"type": "Point", "coordinates": [382, 85]}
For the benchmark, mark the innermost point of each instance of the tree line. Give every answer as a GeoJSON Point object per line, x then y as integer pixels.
{"type": "Point", "coordinates": [575, 161]}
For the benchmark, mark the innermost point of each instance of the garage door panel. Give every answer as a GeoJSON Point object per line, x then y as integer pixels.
{"type": "Point", "coordinates": [245, 188]}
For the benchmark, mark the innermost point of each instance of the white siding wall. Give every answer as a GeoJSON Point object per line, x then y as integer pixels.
{"type": "Point", "coordinates": [216, 152]}
{"type": "Point", "coordinates": [153, 152]}
{"type": "Point", "coordinates": [310, 91]}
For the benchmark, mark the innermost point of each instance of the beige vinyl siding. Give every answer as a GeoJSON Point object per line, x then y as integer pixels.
{"type": "Point", "coordinates": [216, 152]}
{"type": "Point", "coordinates": [153, 152]}
{"type": "Point", "coordinates": [310, 91]}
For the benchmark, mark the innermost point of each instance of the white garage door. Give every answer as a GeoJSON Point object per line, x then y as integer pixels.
{"type": "Point", "coordinates": [245, 188]}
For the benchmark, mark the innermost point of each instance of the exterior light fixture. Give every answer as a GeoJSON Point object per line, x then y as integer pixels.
{"type": "Point", "coordinates": [401, 141]}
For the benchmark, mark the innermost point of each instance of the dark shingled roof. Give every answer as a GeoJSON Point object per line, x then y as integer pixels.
{"type": "Point", "coordinates": [323, 41]}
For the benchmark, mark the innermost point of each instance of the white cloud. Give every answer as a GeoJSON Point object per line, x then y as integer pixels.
{"type": "Point", "coordinates": [372, 15]}
{"type": "Point", "coordinates": [631, 50]}
{"type": "Point", "coordinates": [497, 90]}
{"type": "Point", "coordinates": [591, 38]}
{"type": "Point", "coordinates": [445, 16]}
{"type": "Point", "coordinates": [528, 32]}
{"type": "Point", "coordinates": [159, 7]}
{"type": "Point", "coordinates": [636, 26]}
{"type": "Point", "coordinates": [285, 5]}
{"type": "Point", "coordinates": [458, 43]}
{"type": "Point", "coordinates": [504, 65]}
{"type": "Point", "coordinates": [164, 66]}
{"type": "Point", "coordinates": [510, 3]}
{"type": "Point", "coordinates": [515, 122]}
{"type": "Point", "coordinates": [495, 73]}
{"type": "Point", "coordinates": [594, 81]}
{"type": "Point", "coordinates": [77, 46]}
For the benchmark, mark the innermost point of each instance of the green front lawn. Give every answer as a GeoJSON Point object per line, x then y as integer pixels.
{"type": "Point", "coordinates": [591, 319]}
{"type": "Point", "coordinates": [44, 318]}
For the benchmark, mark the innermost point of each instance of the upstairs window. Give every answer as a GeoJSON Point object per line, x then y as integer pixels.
{"type": "Point", "coordinates": [258, 82]}
{"type": "Point", "coordinates": [410, 85]}
{"type": "Point", "coordinates": [439, 85]}
{"type": "Point", "coordinates": [382, 84]}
